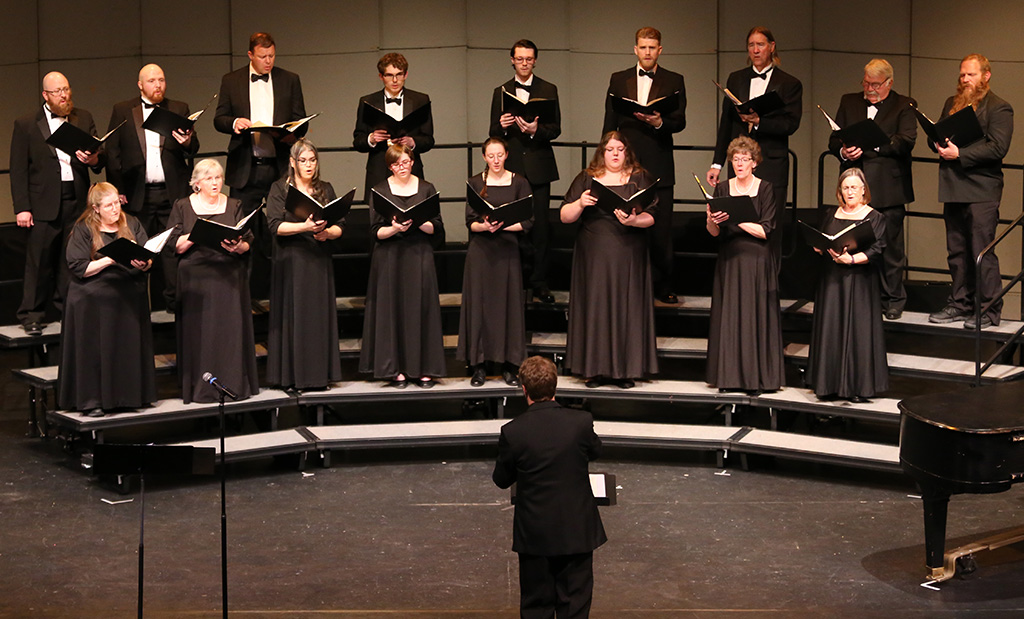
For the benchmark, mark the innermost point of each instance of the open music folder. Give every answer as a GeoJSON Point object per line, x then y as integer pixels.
{"type": "Point", "coordinates": [864, 134]}
{"type": "Point", "coordinates": [627, 107]}
{"type": "Point", "coordinates": [166, 122]}
{"type": "Point", "coordinates": [962, 128]}
{"type": "Point", "coordinates": [506, 214]}
{"type": "Point", "coordinates": [528, 110]}
{"type": "Point", "coordinates": [123, 251]}
{"type": "Point", "coordinates": [609, 201]}
{"type": "Point", "coordinates": [418, 213]}
{"type": "Point", "coordinates": [858, 236]}
{"type": "Point", "coordinates": [70, 138]}
{"type": "Point", "coordinates": [302, 205]}
{"type": "Point", "coordinates": [768, 102]}
{"type": "Point", "coordinates": [211, 233]}
{"type": "Point", "coordinates": [379, 119]}
{"type": "Point", "coordinates": [740, 208]}
{"type": "Point", "coordinates": [279, 131]}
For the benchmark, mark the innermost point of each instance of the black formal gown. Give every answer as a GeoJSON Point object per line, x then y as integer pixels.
{"type": "Point", "coordinates": [402, 325]}
{"type": "Point", "coordinates": [303, 334]}
{"type": "Point", "coordinates": [745, 336]}
{"type": "Point", "coordinates": [611, 307]}
{"type": "Point", "coordinates": [106, 337]}
{"type": "Point", "coordinates": [847, 356]}
{"type": "Point", "coordinates": [492, 323]}
{"type": "Point", "coordinates": [214, 319]}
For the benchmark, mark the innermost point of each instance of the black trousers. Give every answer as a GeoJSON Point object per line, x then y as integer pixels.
{"type": "Point", "coordinates": [261, 177]}
{"type": "Point", "coordinates": [153, 215]}
{"type": "Point", "coordinates": [970, 227]}
{"type": "Point", "coordinates": [560, 586]}
{"type": "Point", "coordinates": [46, 268]}
{"type": "Point", "coordinates": [540, 235]}
{"type": "Point", "coordinates": [659, 242]}
{"type": "Point", "coordinates": [894, 259]}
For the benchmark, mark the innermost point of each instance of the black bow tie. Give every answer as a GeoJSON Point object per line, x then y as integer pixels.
{"type": "Point", "coordinates": [649, 74]}
{"type": "Point", "coordinates": [874, 105]}
{"type": "Point", "coordinates": [525, 87]}
{"type": "Point", "coordinates": [397, 100]}
{"type": "Point", "coordinates": [52, 115]}
{"type": "Point", "coordinates": [148, 106]}
{"type": "Point", "coordinates": [763, 76]}
{"type": "Point", "coordinates": [257, 77]}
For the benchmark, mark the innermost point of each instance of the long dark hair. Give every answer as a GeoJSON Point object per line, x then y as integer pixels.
{"type": "Point", "coordinates": [317, 185]}
{"type": "Point", "coordinates": [629, 164]}
{"type": "Point", "coordinates": [487, 168]}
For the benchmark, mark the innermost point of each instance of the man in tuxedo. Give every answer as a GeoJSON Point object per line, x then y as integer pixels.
{"type": "Point", "coordinates": [650, 137]}
{"type": "Point", "coordinates": [530, 153]}
{"type": "Point", "coordinates": [396, 101]}
{"type": "Point", "coordinates": [264, 93]}
{"type": "Point", "coordinates": [970, 187]}
{"type": "Point", "coordinates": [887, 167]}
{"type": "Point", "coordinates": [150, 170]}
{"type": "Point", "coordinates": [556, 526]}
{"type": "Point", "coordinates": [771, 131]}
{"type": "Point", "coordinates": [48, 188]}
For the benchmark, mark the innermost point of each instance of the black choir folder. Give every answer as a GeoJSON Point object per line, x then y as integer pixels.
{"type": "Point", "coordinates": [302, 205]}
{"type": "Point", "coordinates": [210, 233]}
{"type": "Point", "coordinates": [379, 119]}
{"type": "Point", "coordinates": [864, 134]}
{"type": "Point", "coordinates": [609, 201]}
{"type": "Point", "coordinates": [740, 208]}
{"type": "Point", "coordinates": [166, 122]}
{"type": "Point", "coordinates": [123, 251]}
{"type": "Point", "coordinates": [418, 213]}
{"type": "Point", "coordinates": [662, 105]}
{"type": "Point", "coordinates": [602, 485]}
{"type": "Point", "coordinates": [768, 102]}
{"type": "Point", "coordinates": [962, 128]}
{"type": "Point", "coordinates": [858, 236]}
{"type": "Point", "coordinates": [528, 110]}
{"type": "Point", "coordinates": [70, 138]}
{"type": "Point", "coordinates": [506, 214]}
{"type": "Point", "coordinates": [279, 131]}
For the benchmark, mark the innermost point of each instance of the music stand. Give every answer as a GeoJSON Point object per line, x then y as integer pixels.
{"type": "Point", "coordinates": [145, 460]}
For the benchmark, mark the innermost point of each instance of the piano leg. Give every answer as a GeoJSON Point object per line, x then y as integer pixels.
{"type": "Point", "coordinates": [935, 507]}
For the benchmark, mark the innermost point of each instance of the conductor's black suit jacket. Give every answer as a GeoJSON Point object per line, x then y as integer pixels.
{"type": "Point", "coordinates": [126, 154]}
{"type": "Point", "coordinates": [423, 135]}
{"type": "Point", "coordinates": [35, 170]}
{"type": "Point", "coordinates": [653, 147]}
{"type": "Point", "coordinates": [233, 102]}
{"type": "Point", "coordinates": [545, 451]}
{"type": "Point", "coordinates": [977, 176]}
{"type": "Point", "coordinates": [532, 157]}
{"type": "Point", "coordinates": [887, 170]}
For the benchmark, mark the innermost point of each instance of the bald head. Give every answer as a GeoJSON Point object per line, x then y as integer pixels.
{"type": "Point", "coordinates": [57, 93]}
{"type": "Point", "coordinates": [152, 84]}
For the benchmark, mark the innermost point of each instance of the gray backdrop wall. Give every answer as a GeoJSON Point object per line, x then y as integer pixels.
{"type": "Point", "coordinates": [458, 52]}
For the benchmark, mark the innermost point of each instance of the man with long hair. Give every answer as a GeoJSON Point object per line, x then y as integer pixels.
{"type": "Point", "coordinates": [970, 188]}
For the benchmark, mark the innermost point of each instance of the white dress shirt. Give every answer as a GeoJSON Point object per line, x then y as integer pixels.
{"type": "Point", "coordinates": [261, 109]}
{"type": "Point", "coordinates": [154, 165]}
{"type": "Point", "coordinates": [643, 86]}
{"type": "Point", "coordinates": [66, 173]}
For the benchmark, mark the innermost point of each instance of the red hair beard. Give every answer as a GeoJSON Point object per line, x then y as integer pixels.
{"type": "Point", "coordinates": [966, 95]}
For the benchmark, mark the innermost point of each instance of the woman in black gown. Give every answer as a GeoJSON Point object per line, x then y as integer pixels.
{"type": "Point", "coordinates": [214, 321]}
{"type": "Point", "coordinates": [611, 311]}
{"type": "Point", "coordinates": [745, 336]}
{"type": "Point", "coordinates": [402, 326]}
{"type": "Point", "coordinates": [492, 324]}
{"type": "Point", "coordinates": [847, 358]}
{"type": "Point", "coordinates": [303, 334]}
{"type": "Point", "coordinates": [106, 337]}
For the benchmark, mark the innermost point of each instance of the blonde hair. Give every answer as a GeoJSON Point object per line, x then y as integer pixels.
{"type": "Point", "coordinates": [207, 168]}
{"type": "Point", "coordinates": [97, 194]}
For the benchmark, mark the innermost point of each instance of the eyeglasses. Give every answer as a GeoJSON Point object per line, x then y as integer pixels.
{"type": "Point", "coordinates": [59, 91]}
{"type": "Point", "coordinates": [404, 163]}
{"type": "Point", "coordinates": [524, 60]}
{"type": "Point", "coordinates": [742, 159]}
{"type": "Point", "coordinates": [394, 76]}
{"type": "Point", "coordinates": [306, 160]}
{"type": "Point", "coordinates": [875, 85]}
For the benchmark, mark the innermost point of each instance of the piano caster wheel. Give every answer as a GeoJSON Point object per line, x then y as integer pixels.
{"type": "Point", "coordinates": [966, 565]}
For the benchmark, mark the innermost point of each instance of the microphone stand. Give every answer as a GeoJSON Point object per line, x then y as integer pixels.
{"type": "Point", "coordinates": [223, 511]}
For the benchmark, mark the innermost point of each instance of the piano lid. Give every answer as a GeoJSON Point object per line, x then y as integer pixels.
{"type": "Point", "coordinates": [982, 410]}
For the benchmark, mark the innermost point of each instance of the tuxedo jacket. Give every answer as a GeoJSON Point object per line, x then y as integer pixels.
{"type": "Point", "coordinates": [233, 102]}
{"type": "Point", "coordinates": [977, 176]}
{"type": "Point", "coordinates": [533, 156]}
{"type": "Point", "coordinates": [376, 168]}
{"type": "Point", "coordinates": [772, 134]}
{"type": "Point", "coordinates": [888, 169]}
{"type": "Point", "coordinates": [35, 170]}
{"type": "Point", "coordinates": [545, 451]}
{"type": "Point", "coordinates": [126, 154]}
{"type": "Point", "coordinates": [653, 147]}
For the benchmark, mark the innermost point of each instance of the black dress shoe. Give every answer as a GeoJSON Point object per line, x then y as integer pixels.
{"type": "Point", "coordinates": [479, 377]}
{"type": "Point", "coordinates": [428, 383]}
{"type": "Point", "coordinates": [668, 297]}
{"type": "Point", "coordinates": [857, 399]}
{"type": "Point", "coordinates": [543, 294]}
{"type": "Point", "coordinates": [510, 378]}
{"type": "Point", "coordinates": [33, 329]}
{"type": "Point", "coordinates": [399, 383]}
{"type": "Point", "coordinates": [986, 322]}
{"type": "Point", "coordinates": [948, 314]}
{"type": "Point", "coordinates": [626, 383]}
{"type": "Point", "coordinates": [593, 383]}
{"type": "Point", "coordinates": [893, 314]}
{"type": "Point", "coordinates": [96, 412]}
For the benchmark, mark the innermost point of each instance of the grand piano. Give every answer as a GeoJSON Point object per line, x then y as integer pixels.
{"type": "Point", "coordinates": [970, 441]}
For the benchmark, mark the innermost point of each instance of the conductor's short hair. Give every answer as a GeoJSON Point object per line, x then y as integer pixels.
{"type": "Point", "coordinates": [539, 378]}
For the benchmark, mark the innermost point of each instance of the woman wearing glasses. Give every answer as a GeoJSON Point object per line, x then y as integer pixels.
{"type": "Point", "coordinates": [745, 336]}
{"type": "Point", "coordinates": [303, 335]}
{"type": "Point", "coordinates": [402, 325]}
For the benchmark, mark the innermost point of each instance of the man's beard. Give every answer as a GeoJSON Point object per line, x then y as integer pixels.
{"type": "Point", "coordinates": [63, 109]}
{"type": "Point", "coordinates": [967, 94]}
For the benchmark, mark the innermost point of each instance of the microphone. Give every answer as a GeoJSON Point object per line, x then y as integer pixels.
{"type": "Point", "coordinates": [210, 378]}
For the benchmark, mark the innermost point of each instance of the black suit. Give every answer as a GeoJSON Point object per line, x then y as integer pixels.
{"type": "Point", "coordinates": [772, 135]}
{"type": "Point", "coordinates": [971, 188]}
{"type": "Point", "coordinates": [126, 170]}
{"type": "Point", "coordinates": [423, 135]}
{"type": "Point", "coordinates": [653, 148]}
{"type": "Point", "coordinates": [546, 451]}
{"type": "Point", "coordinates": [36, 187]}
{"type": "Point", "coordinates": [533, 157]}
{"type": "Point", "coordinates": [888, 173]}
